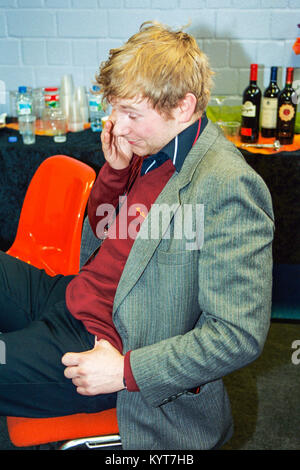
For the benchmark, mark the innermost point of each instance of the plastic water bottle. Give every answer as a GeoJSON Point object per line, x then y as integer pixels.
{"type": "Point", "coordinates": [24, 101]}
{"type": "Point", "coordinates": [96, 110]}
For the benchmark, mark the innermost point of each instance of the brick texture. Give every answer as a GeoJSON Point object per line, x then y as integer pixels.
{"type": "Point", "coordinates": [40, 40]}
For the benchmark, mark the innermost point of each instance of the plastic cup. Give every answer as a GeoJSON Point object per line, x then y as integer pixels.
{"type": "Point", "coordinates": [65, 102]}
{"type": "Point", "coordinates": [231, 129]}
{"type": "Point", "coordinates": [27, 128]}
{"type": "Point", "coordinates": [80, 96]}
{"type": "Point", "coordinates": [67, 85]}
{"type": "Point", "coordinates": [59, 124]}
{"type": "Point", "coordinates": [84, 113]}
{"type": "Point", "coordinates": [75, 122]}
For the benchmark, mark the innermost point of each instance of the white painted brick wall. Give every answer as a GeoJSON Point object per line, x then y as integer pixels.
{"type": "Point", "coordinates": [40, 40]}
{"type": "Point", "coordinates": [59, 52]}
{"type": "Point", "coordinates": [34, 52]}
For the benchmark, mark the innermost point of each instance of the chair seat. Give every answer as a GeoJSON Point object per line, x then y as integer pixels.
{"type": "Point", "coordinates": [25, 432]}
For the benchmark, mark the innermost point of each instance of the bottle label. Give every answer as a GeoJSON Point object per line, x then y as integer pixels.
{"type": "Point", "coordinates": [95, 105]}
{"type": "Point", "coordinates": [269, 113]}
{"type": "Point", "coordinates": [24, 108]}
{"type": "Point", "coordinates": [247, 131]}
{"type": "Point", "coordinates": [286, 112]}
{"type": "Point", "coordinates": [51, 101]}
{"type": "Point", "coordinates": [248, 109]}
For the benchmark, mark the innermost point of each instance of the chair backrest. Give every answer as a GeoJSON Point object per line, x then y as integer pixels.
{"type": "Point", "coordinates": [50, 223]}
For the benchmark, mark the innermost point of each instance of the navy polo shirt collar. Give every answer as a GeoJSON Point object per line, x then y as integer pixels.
{"type": "Point", "coordinates": [177, 149]}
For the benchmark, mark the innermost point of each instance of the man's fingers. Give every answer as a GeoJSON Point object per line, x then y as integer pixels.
{"type": "Point", "coordinates": [71, 372]}
{"type": "Point", "coordinates": [84, 391]}
{"type": "Point", "coordinates": [105, 138]}
{"type": "Point", "coordinates": [108, 125]}
{"type": "Point", "coordinates": [106, 132]}
{"type": "Point", "coordinates": [70, 359]}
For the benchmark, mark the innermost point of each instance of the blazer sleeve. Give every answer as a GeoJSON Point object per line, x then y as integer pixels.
{"type": "Point", "coordinates": [235, 287]}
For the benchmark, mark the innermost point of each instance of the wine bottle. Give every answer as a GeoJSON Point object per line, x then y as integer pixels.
{"type": "Point", "coordinates": [269, 106]}
{"type": "Point", "coordinates": [251, 109]}
{"type": "Point", "coordinates": [287, 107]}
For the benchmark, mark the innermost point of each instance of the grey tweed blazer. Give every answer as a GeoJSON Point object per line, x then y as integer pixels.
{"type": "Point", "coordinates": [192, 313]}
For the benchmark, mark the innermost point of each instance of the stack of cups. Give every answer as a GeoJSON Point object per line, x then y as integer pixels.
{"type": "Point", "coordinates": [75, 121]}
{"type": "Point", "coordinates": [66, 94]}
{"type": "Point", "coordinates": [81, 97]}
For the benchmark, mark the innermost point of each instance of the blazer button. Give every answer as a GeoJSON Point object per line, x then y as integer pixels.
{"type": "Point", "coordinates": [166, 400]}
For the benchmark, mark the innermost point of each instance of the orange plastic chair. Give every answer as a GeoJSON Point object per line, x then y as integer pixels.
{"type": "Point", "coordinates": [49, 237]}
{"type": "Point", "coordinates": [50, 224]}
{"type": "Point", "coordinates": [82, 430]}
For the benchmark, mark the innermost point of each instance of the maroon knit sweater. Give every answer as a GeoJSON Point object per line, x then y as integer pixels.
{"type": "Point", "coordinates": [90, 295]}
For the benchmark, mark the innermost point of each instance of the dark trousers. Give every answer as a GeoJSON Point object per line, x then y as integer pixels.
{"type": "Point", "coordinates": [37, 330]}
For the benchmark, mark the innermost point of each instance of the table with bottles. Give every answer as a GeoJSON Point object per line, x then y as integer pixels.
{"type": "Point", "coordinates": [273, 151]}
{"type": "Point", "coordinates": [58, 109]}
{"type": "Point", "coordinates": [64, 119]}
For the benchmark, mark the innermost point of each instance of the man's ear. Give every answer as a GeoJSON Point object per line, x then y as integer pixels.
{"type": "Point", "coordinates": [186, 108]}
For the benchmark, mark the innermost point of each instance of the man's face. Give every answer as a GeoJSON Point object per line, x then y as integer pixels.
{"type": "Point", "coordinates": [143, 127]}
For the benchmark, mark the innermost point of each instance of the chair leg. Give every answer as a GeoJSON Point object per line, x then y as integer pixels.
{"type": "Point", "coordinates": [99, 442]}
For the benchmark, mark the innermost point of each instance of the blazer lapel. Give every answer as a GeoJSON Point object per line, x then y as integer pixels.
{"type": "Point", "coordinates": [145, 245]}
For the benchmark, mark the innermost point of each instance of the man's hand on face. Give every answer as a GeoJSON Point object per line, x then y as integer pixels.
{"type": "Point", "coordinates": [99, 370]}
{"type": "Point", "coordinates": [117, 151]}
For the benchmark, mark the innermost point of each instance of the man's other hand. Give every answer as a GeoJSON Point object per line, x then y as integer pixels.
{"type": "Point", "coordinates": [99, 370]}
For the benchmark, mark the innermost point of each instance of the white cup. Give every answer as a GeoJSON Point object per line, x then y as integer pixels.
{"type": "Point", "coordinates": [75, 123]}
{"type": "Point", "coordinates": [85, 113]}
{"type": "Point", "coordinates": [65, 103]}
{"type": "Point", "coordinates": [67, 85]}
{"type": "Point", "coordinates": [80, 95]}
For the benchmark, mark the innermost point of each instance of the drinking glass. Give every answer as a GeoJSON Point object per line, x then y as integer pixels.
{"type": "Point", "coordinates": [59, 125]}
{"type": "Point", "coordinates": [231, 129]}
{"type": "Point", "coordinates": [27, 128]}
